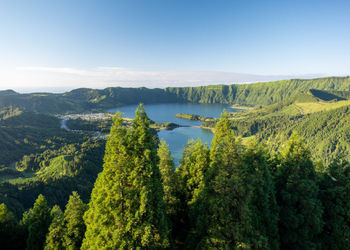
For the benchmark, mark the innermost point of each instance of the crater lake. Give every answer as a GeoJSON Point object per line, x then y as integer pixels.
{"type": "Point", "coordinates": [178, 137]}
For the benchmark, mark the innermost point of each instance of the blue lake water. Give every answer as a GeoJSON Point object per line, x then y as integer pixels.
{"type": "Point", "coordinates": [177, 138]}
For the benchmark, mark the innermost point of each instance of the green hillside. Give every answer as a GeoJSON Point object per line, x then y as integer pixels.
{"type": "Point", "coordinates": [72, 167]}
{"type": "Point", "coordinates": [324, 125]}
{"type": "Point", "coordinates": [86, 100]}
{"type": "Point", "coordinates": [24, 133]}
{"type": "Point", "coordinates": [259, 93]}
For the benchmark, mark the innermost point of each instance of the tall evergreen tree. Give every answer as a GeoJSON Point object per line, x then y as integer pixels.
{"type": "Point", "coordinates": [73, 222]}
{"type": "Point", "coordinates": [54, 239]}
{"type": "Point", "coordinates": [297, 196]}
{"type": "Point", "coordinates": [127, 208]}
{"type": "Point", "coordinates": [335, 196]}
{"type": "Point", "coordinates": [191, 171]}
{"type": "Point", "coordinates": [169, 178]}
{"type": "Point", "coordinates": [240, 195]}
{"type": "Point", "coordinates": [9, 230]}
{"type": "Point", "coordinates": [37, 221]}
{"type": "Point", "coordinates": [193, 167]}
{"type": "Point", "coordinates": [263, 205]}
{"type": "Point", "coordinates": [170, 183]}
{"type": "Point", "coordinates": [227, 193]}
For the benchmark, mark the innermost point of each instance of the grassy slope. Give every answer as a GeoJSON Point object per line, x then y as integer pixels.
{"type": "Point", "coordinates": [312, 107]}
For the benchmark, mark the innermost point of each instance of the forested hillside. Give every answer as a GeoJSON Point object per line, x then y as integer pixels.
{"type": "Point", "coordinates": [86, 100]}
{"type": "Point", "coordinates": [234, 195]}
{"type": "Point", "coordinates": [24, 133]}
{"type": "Point", "coordinates": [258, 93]}
{"type": "Point", "coordinates": [57, 173]}
{"type": "Point", "coordinates": [324, 125]}
{"type": "Point", "coordinates": [38, 157]}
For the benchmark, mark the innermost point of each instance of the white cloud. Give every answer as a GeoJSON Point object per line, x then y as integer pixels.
{"type": "Point", "coordinates": [65, 78]}
{"type": "Point", "coordinates": [59, 70]}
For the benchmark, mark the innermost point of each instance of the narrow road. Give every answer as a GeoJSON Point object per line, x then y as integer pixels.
{"type": "Point", "coordinates": [64, 124]}
{"type": "Point", "coordinates": [65, 127]}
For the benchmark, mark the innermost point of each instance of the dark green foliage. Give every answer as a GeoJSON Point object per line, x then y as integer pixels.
{"type": "Point", "coordinates": [37, 221]}
{"type": "Point", "coordinates": [67, 230]}
{"type": "Point", "coordinates": [297, 196]}
{"type": "Point", "coordinates": [192, 170]}
{"type": "Point", "coordinates": [10, 232]}
{"type": "Point", "coordinates": [127, 208]}
{"type": "Point", "coordinates": [23, 133]}
{"type": "Point", "coordinates": [54, 239]}
{"type": "Point", "coordinates": [326, 95]}
{"type": "Point", "coordinates": [73, 222]}
{"type": "Point", "coordinates": [239, 196]}
{"type": "Point", "coordinates": [227, 193]}
{"type": "Point", "coordinates": [341, 94]}
{"type": "Point", "coordinates": [170, 179]}
{"type": "Point", "coordinates": [57, 177]}
{"type": "Point", "coordinates": [263, 204]}
{"type": "Point", "coordinates": [335, 196]}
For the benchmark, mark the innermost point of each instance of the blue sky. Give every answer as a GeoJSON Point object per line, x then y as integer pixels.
{"type": "Point", "coordinates": [102, 43]}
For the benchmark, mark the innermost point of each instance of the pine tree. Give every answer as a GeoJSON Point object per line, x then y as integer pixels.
{"type": "Point", "coordinates": [73, 222]}
{"type": "Point", "coordinates": [263, 204]}
{"type": "Point", "coordinates": [126, 209]}
{"type": "Point", "coordinates": [240, 195]}
{"type": "Point", "coordinates": [169, 178]}
{"type": "Point", "coordinates": [335, 196]}
{"type": "Point", "coordinates": [191, 171]}
{"type": "Point", "coordinates": [171, 196]}
{"type": "Point", "coordinates": [54, 239]}
{"type": "Point", "coordinates": [8, 228]}
{"type": "Point", "coordinates": [37, 221]}
{"type": "Point", "coordinates": [297, 196]}
{"type": "Point", "coordinates": [228, 223]}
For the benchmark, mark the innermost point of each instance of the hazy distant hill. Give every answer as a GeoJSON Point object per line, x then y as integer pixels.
{"type": "Point", "coordinates": [80, 100]}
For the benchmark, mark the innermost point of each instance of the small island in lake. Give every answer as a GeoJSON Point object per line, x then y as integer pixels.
{"type": "Point", "coordinates": [192, 117]}
{"type": "Point", "coordinates": [166, 125]}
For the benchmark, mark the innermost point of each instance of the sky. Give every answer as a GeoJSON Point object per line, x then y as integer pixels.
{"type": "Point", "coordinates": [61, 45]}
